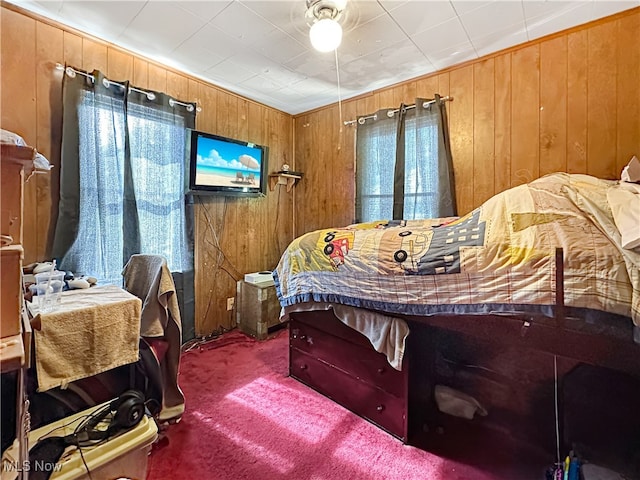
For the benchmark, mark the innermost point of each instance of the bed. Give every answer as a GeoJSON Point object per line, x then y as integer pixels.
{"type": "Point", "coordinates": [538, 281]}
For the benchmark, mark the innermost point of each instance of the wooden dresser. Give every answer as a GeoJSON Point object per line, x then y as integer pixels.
{"type": "Point", "coordinates": [340, 363]}
{"type": "Point", "coordinates": [16, 163]}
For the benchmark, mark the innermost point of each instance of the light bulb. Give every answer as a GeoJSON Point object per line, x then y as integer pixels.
{"type": "Point", "coordinates": [325, 35]}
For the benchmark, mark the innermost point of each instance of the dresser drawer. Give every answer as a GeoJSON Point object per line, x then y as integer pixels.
{"type": "Point", "coordinates": [12, 191]}
{"type": "Point", "coordinates": [11, 290]}
{"type": "Point", "coordinates": [359, 361]}
{"type": "Point", "coordinates": [385, 410]}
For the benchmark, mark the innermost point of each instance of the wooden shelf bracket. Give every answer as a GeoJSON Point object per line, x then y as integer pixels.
{"type": "Point", "coordinates": [287, 179]}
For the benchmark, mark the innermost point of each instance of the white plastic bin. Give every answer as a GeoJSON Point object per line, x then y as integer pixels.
{"type": "Point", "coordinates": [123, 456]}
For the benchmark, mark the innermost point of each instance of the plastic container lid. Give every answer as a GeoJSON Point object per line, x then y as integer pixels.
{"type": "Point", "coordinates": [70, 466]}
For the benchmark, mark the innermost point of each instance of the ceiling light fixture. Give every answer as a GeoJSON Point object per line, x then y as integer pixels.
{"type": "Point", "coordinates": [323, 15]}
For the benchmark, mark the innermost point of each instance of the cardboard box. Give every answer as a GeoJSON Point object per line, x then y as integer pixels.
{"type": "Point", "coordinates": [125, 455]}
{"type": "Point", "coordinates": [258, 308]}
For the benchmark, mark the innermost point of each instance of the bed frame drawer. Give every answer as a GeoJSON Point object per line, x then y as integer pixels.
{"type": "Point", "coordinates": [384, 410]}
{"type": "Point", "coordinates": [326, 321]}
{"type": "Point", "coordinates": [363, 363]}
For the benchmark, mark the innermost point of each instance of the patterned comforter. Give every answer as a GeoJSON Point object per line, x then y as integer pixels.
{"type": "Point", "coordinates": [499, 257]}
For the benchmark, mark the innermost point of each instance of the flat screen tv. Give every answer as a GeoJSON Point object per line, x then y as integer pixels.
{"type": "Point", "coordinates": [224, 166]}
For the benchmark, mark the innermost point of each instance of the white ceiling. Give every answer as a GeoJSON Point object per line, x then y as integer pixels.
{"type": "Point", "coordinates": [260, 48]}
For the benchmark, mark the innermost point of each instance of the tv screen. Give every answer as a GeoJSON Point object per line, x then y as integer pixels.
{"type": "Point", "coordinates": [224, 166]}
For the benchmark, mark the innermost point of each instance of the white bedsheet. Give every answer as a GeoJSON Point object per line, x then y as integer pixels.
{"type": "Point", "coordinates": [386, 334]}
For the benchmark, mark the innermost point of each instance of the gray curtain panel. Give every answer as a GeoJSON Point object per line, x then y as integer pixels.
{"type": "Point", "coordinates": [400, 165]}
{"type": "Point", "coordinates": [446, 182]}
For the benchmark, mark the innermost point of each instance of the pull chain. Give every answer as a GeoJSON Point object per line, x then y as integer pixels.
{"type": "Point", "coordinates": [339, 97]}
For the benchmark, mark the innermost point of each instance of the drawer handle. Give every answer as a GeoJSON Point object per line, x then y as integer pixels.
{"type": "Point", "coordinates": [380, 408]}
{"type": "Point", "coordinates": [303, 338]}
{"type": "Point", "coordinates": [303, 367]}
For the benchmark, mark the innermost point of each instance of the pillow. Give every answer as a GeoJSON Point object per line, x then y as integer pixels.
{"type": "Point", "coordinates": [631, 173]}
{"type": "Point", "coordinates": [624, 201]}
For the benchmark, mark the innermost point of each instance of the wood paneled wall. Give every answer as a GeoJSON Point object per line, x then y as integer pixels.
{"type": "Point", "coordinates": [233, 236]}
{"type": "Point", "coordinates": [567, 102]}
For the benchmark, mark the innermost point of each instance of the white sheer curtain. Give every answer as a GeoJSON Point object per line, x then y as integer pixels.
{"type": "Point", "coordinates": [98, 247]}
{"type": "Point", "coordinates": [157, 157]}
{"type": "Point", "coordinates": [375, 160]}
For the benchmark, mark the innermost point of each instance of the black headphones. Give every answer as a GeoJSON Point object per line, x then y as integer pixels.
{"type": "Point", "coordinates": [126, 411]}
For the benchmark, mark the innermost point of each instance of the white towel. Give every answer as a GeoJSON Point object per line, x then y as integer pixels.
{"type": "Point", "coordinates": [93, 330]}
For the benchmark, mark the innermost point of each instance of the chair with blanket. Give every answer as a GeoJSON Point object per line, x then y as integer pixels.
{"type": "Point", "coordinates": [148, 277]}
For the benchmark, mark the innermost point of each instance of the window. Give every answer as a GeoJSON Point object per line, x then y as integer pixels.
{"type": "Point", "coordinates": [130, 176]}
{"type": "Point", "coordinates": [415, 175]}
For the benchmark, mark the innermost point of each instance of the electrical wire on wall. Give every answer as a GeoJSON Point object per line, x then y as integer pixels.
{"type": "Point", "coordinates": [220, 260]}
{"type": "Point", "coordinates": [339, 100]}
{"type": "Point", "coordinates": [275, 223]}
{"type": "Point", "coordinates": [221, 257]}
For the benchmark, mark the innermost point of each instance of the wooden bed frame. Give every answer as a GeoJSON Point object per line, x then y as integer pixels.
{"type": "Point", "coordinates": [520, 368]}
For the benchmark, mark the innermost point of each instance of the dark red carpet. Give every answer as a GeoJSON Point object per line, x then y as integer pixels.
{"type": "Point", "coordinates": [246, 419]}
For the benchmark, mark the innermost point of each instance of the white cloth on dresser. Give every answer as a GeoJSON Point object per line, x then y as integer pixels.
{"type": "Point", "coordinates": [387, 334]}
{"type": "Point", "coordinates": [148, 277]}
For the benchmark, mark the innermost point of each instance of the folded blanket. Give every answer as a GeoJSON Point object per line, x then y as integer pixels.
{"type": "Point", "coordinates": [93, 331]}
{"type": "Point", "coordinates": [148, 277]}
